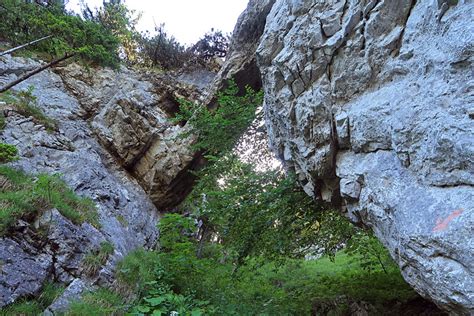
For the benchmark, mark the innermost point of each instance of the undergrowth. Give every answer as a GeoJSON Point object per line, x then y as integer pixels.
{"type": "Point", "coordinates": [101, 302]}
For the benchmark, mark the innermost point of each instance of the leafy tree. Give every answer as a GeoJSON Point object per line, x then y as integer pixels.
{"type": "Point", "coordinates": [219, 129]}
{"type": "Point", "coordinates": [162, 50]}
{"type": "Point", "coordinates": [115, 16]}
{"type": "Point", "coordinates": [23, 22]}
{"type": "Point", "coordinates": [212, 44]}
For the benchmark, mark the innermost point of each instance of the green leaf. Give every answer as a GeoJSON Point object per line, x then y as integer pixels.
{"type": "Point", "coordinates": [155, 301]}
{"type": "Point", "coordinates": [144, 309]}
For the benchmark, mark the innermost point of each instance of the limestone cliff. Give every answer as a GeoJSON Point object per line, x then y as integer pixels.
{"type": "Point", "coordinates": [371, 104]}
{"type": "Point", "coordinates": [116, 144]}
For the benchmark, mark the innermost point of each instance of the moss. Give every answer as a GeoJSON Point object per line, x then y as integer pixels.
{"type": "Point", "coordinates": [3, 122]}
{"type": "Point", "coordinates": [25, 197]}
{"type": "Point", "coordinates": [122, 220]}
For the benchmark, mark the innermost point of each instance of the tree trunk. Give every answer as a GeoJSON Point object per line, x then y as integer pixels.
{"type": "Point", "coordinates": [24, 45]}
{"type": "Point", "coordinates": [34, 72]}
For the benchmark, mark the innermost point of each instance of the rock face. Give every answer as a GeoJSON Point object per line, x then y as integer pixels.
{"type": "Point", "coordinates": [115, 144]}
{"type": "Point", "coordinates": [371, 104]}
{"type": "Point", "coordinates": [241, 62]}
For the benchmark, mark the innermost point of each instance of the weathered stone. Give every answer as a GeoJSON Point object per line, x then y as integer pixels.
{"type": "Point", "coordinates": [103, 117]}
{"type": "Point", "coordinates": [374, 95]}
{"type": "Point", "coordinates": [73, 292]}
{"type": "Point", "coordinates": [130, 117]}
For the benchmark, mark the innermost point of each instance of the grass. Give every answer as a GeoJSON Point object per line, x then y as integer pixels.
{"type": "Point", "coordinates": [25, 197]}
{"type": "Point", "coordinates": [97, 258]}
{"type": "Point", "coordinates": [102, 302]}
{"type": "Point", "coordinates": [34, 307]}
{"type": "Point", "coordinates": [25, 103]}
{"type": "Point", "coordinates": [291, 288]}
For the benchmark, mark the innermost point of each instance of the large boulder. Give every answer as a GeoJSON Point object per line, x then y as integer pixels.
{"type": "Point", "coordinates": [371, 104]}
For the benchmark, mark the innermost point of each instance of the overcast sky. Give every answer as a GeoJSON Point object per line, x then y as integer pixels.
{"type": "Point", "coordinates": [187, 20]}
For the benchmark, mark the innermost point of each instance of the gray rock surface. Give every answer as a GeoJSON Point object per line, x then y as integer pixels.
{"type": "Point", "coordinates": [115, 144]}
{"type": "Point", "coordinates": [369, 103]}
{"type": "Point", "coordinates": [241, 62]}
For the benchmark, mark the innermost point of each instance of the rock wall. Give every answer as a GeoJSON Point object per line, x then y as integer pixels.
{"type": "Point", "coordinates": [371, 104]}
{"type": "Point", "coordinates": [115, 144]}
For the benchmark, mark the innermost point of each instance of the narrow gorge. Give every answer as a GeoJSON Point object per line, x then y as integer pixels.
{"type": "Point", "coordinates": [369, 103]}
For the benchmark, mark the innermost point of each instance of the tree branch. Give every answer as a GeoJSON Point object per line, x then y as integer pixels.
{"type": "Point", "coordinates": [34, 72]}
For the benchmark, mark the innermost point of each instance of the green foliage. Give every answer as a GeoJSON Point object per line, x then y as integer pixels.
{"type": "Point", "coordinates": [139, 268]}
{"type": "Point", "coordinates": [121, 22]}
{"type": "Point", "coordinates": [370, 253]}
{"type": "Point", "coordinates": [23, 22]}
{"type": "Point", "coordinates": [25, 197]}
{"type": "Point", "coordinates": [25, 103]}
{"type": "Point", "coordinates": [102, 302]}
{"type": "Point", "coordinates": [159, 49]}
{"type": "Point", "coordinates": [35, 307]}
{"type": "Point", "coordinates": [218, 130]}
{"type": "Point", "coordinates": [145, 272]}
{"type": "Point", "coordinates": [8, 153]}
{"type": "Point", "coordinates": [160, 300]}
{"type": "Point", "coordinates": [210, 285]}
{"type": "Point", "coordinates": [97, 257]}
{"type": "Point", "coordinates": [262, 213]}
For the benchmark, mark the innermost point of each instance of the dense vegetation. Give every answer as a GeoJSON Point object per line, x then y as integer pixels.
{"type": "Point", "coordinates": [23, 22]}
{"type": "Point", "coordinates": [106, 36]}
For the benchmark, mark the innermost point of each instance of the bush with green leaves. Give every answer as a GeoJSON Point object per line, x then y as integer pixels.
{"type": "Point", "coordinates": [218, 130]}
{"type": "Point", "coordinates": [8, 153]}
{"type": "Point", "coordinates": [25, 197]}
{"type": "Point", "coordinates": [149, 275]}
{"type": "Point", "coordinates": [174, 278]}
{"type": "Point", "coordinates": [23, 22]}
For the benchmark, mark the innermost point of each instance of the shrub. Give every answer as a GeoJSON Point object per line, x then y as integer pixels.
{"type": "Point", "coordinates": [139, 268]}
{"type": "Point", "coordinates": [23, 22]}
{"type": "Point", "coordinates": [162, 50]}
{"type": "Point", "coordinates": [8, 153]}
{"type": "Point", "coordinates": [212, 44]}
{"type": "Point", "coordinates": [218, 130]}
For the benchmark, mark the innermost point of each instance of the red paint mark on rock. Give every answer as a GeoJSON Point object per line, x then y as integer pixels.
{"type": "Point", "coordinates": [443, 224]}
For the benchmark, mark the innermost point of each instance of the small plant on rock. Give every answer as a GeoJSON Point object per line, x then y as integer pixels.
{"type": "Point", "coordinates": [8, 153]}
{"type": "Point", "coordinates": [97, 258]}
